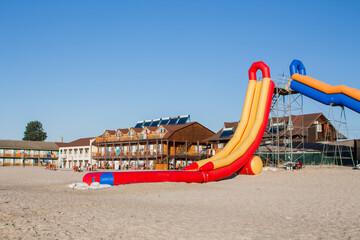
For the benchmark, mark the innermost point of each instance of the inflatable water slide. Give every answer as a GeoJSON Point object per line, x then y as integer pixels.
{"type": "Point", "coordinates": [237, 156]}
{"type": "Point", "coordinates": [330, 95]}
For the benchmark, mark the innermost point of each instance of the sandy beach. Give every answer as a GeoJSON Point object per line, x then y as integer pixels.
{"type": "Point", "coordinates": [313, 203]}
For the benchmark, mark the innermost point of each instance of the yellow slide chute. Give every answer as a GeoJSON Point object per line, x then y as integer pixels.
{"type": "Point", "coordinates": [251, 135]}
{"type": "Point", "coordinates": [241, 128]}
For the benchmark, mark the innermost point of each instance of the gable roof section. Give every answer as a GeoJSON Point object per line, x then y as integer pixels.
{"type": "Point", "coordinates": [61, 144]}
{"type": "Point", "coordinates": [78, 142]}
{"type": "Point", "coordinates": [111, 132]}
{"type": "Point", "coordinates": [298, 121]}
{"type": "Point", "coordinates": [171, 129]}
{"type": "Point", "coordinates": [152, 129]}
{"type": "Point", "coordinates": [123, 130]}
{"type": "Point", "coordinates": [138, 130]}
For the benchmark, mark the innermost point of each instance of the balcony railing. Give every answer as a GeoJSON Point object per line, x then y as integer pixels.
{"type": "Point", "coordinates": [150, 153]}
{"type": "Point", "coordinates": [128, 153]}
{"type": "Point", "coordinates": [130, 138]}
{"type": "Point", "coordinates": [190, 152]}
{"type": "Point", "coordinates": [27, 155]}
{"type": "Point", "coordinates": [77, 156]}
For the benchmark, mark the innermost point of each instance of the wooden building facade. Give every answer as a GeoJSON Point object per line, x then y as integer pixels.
{"type": "Point", "coordinates": [313, 128]}
{"type": "Point", "coordinates": [162, 147]}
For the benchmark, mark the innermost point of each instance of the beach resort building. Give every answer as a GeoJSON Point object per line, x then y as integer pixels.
{"type": "Point", "coordinates": [312, 128]}
{"type": "Point", "coordinates": [76, 153]}
{"type": "Point", "coordinates": [34, 153]}
{"type": "Point", "coordinates": [164, 143]}
{"type": "Point", "coordinates": [292, 136]}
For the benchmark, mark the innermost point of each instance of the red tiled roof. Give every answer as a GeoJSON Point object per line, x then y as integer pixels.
{"type": "Point", "coordinates": [138, 130]}
{"type": "Point", "coordinates": [111, 132]}
{"type": "Point", "coordinates": [151, 128]}
{"type": "Point", "coordinates": [78, 142]}
{"type": "Point", "coordinates": [173, 128]}
{"type": "Point", "coordinates": [123, 130]}
{"type": "Point", "coordinates": [61, 144]}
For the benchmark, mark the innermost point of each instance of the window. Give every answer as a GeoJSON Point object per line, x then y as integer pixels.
{"type": "Point", "coordinates": [160, 131]}
{"type": "Point", "coordinates": [274, 127]}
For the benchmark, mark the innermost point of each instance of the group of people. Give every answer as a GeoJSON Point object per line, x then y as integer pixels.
{"type": "Point", "coordinates": [86, 167]}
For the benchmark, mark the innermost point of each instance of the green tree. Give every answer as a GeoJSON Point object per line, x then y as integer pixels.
{"type": "Point", "coordinates": [34, 132]}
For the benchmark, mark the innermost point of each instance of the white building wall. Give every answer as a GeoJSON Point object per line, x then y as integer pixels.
{"type": "Point", "coordinates": [74, 156]}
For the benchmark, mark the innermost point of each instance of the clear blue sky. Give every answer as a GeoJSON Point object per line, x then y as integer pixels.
{"type": "Point", "coordinates": [81, 67]}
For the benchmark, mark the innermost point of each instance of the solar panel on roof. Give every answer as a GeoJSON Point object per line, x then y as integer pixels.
{"type": "Point", "coordinates": [172, 121]}
{"type": "Point", "coordinates": [155, 123]}
{"type": "Point", "coordinates": [147, 123]}
{"type": "Point", "coordinates": [183, 119]}
{"type": "Point", "coordinates": [165, 121]}
{"type": "Point", "coordinates": [139, 124]}
{"type": "Point", "coordinates": [227, 132]}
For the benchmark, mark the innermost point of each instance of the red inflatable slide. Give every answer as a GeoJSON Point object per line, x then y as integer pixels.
{"type": "Point", "coordinates": [238, 161]}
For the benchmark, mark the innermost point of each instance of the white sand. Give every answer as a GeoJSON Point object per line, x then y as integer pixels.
{"type": "Point", "coordinates": [314, 203]}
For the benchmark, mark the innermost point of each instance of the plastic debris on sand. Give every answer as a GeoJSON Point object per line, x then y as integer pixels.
{"type": "Point", "coordinates": [93, 186]}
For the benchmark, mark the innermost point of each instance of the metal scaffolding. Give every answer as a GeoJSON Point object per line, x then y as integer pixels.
{"type": "Point", "coordinates": [286, 108]}
{"type": "Point", "coordinates": [335, 153]}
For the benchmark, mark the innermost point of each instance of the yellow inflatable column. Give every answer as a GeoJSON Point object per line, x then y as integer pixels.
{"type": "Point", "coordinates": [253, 167]}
